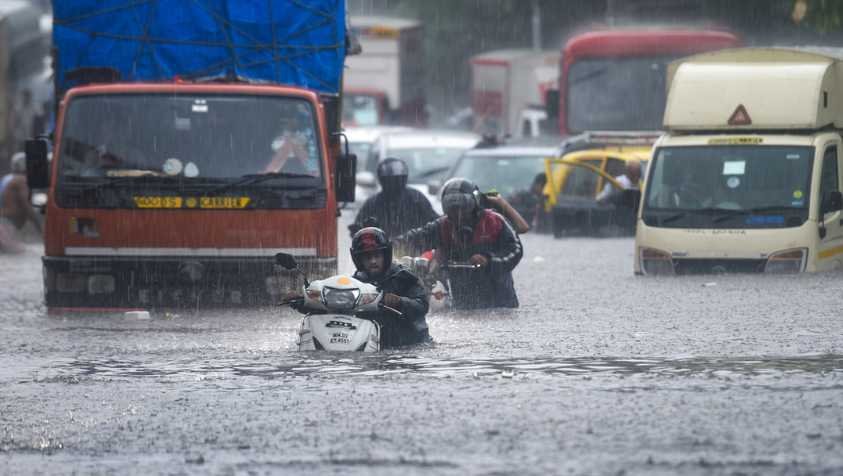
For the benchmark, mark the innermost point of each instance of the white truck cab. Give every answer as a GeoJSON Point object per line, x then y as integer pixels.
{"type": "Point", "coordinates": [747, 176]}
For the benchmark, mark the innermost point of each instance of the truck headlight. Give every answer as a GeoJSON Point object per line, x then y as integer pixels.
{"type": "Point", "coordinates": [787, 261]}
{"type": "Point", "coordinates": [655, 261]}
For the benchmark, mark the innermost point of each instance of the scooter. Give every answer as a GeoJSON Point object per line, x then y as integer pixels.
{"type": "Point", "coordinates": [336, 307]}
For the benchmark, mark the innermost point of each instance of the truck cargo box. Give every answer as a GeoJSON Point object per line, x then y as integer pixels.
{"type": "Point", "coordinates": [755, 89]}
{"type": "Point", "coordinates": [279, 41]}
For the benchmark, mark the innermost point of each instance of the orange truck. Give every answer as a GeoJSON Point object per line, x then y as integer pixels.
{"type": "Point", "coordinates": [181, 166]}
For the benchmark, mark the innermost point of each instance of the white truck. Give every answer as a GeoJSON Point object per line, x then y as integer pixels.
{"type": "Point", "coordinates": [747, 176]}
{"type": "Point", "coordinates": [509, 89]}
{"type": "Point", "coordinates": [384, 84]}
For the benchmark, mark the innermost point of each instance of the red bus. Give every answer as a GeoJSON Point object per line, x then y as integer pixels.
{"type": "Point", "coordinates": [615, 79]}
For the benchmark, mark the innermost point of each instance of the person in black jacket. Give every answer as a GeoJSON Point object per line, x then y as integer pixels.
{"type": "Point", "coordinates": [469, 233]}
{"type": "Point", "coordinates": [371, 252]}
{"type": "Point", "coordinates": [396, 208]}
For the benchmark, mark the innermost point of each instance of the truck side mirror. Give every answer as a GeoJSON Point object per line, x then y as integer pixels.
{"type": "Point", "coordinates": [345, 177]}
{"type": "Point", "coordinates": [551, 98]}
{"type": "Point", "coordinates": [832, 202]}
{"type": "Point", "coordinates": [37, 165]}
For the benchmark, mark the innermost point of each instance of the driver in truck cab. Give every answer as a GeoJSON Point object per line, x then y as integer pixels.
{"type": "Point", "coordinates": [294, 147]}
{"type": "Point", "coordinates": [471, 234]}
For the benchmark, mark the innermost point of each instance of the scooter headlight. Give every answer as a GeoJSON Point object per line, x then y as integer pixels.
{"type": "Point", "coordinates": [787, 261]}
{"type": "Point", "coordinates": [340, 299]}
{"type": "Point", "coordinates": [367, 298]}
{"type": "Point", "coordinates": [655, 261]}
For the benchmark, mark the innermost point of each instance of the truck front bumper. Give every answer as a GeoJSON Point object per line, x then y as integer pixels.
{"type": "Point", "coordinates": [145, 282]}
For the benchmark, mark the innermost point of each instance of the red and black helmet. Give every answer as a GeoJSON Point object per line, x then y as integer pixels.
{"type": "Point", "coordinates": [370, 239]}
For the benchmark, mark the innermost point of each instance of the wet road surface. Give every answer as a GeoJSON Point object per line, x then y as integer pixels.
{"type": "Point", "coordinates": [599, 372]}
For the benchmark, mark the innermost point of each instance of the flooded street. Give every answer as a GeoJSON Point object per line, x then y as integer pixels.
{"type": "Point", "coordinates": [599, 372]}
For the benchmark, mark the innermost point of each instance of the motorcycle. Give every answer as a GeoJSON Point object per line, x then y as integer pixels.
{"type": "Point", "coordinates": [337, 307]}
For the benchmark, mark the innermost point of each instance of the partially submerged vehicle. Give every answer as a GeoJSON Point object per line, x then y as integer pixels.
{"type": "Point", "coordinates": [747, 178]}
{"type": "Point", "coordinates": [587, 165]}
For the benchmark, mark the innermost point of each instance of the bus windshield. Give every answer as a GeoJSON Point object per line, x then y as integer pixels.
{"type": "Point", "coordinates": [729, 187]}
{"type": "Point", "coordinates": [617, 93]}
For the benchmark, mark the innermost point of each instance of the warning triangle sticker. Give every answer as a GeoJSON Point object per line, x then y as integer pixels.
{"type": "Point", "coordinates": [740, 117]}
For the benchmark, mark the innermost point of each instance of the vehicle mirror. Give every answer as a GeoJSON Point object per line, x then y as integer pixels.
{"type": "Point", "coordinates": [551, 98]}
{"type": "Point", "coordinates": [433, 187]}
{"type": "Point", "coordinates": [345, 177]}
{"type": "Point", "coordinates": [37, 164]}
{"type": "Point", "coordinates": [286, 261]}
{"type": "Point", "coordinates": [832, 202]}
{"type": "Point", "coordinates": [366, 179]}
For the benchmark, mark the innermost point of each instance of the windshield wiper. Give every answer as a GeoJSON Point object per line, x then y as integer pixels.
{"type": "Point", "coordinates": [252, 179]}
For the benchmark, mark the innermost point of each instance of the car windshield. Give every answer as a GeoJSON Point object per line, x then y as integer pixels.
{"type": "Point", "coordinates": [617, 93]}
{"type": "Point", "coordinates": [196, 137]}
{"type": "Point", "coordinates": [506, 174]}
{"type": "Point", "coordinates": [729, 187]}
{"type": "Point", "coordinates": [427, 163]}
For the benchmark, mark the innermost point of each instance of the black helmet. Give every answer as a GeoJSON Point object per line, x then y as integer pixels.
{"type": "Point", "coordinates": [462, 194]}
{"type": "Point", "coordinates": [370, 239]}
{"type": "Point", "coordinates": [392, 175]}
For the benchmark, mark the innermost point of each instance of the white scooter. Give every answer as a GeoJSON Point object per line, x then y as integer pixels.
{"type": "Point", "coordinates": [336, 305]}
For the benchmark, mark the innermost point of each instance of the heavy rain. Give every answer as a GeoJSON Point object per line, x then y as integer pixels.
{"type": "Point", "coordinates": [177, 235]}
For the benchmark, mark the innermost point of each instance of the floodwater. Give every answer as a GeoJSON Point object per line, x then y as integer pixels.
{"type": "Point", "coordinates": [599, 372]}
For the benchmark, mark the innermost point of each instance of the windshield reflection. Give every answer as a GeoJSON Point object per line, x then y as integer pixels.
{"type": "Point", "coordinates": [203, 138]}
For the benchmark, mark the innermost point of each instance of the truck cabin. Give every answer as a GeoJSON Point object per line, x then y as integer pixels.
{"type": "Point", "coordinates": [616, 79]}
{"type": "Point", "coordinates": [752, 153]}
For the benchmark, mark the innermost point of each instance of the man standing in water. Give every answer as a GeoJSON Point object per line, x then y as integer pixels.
{"type": "Point", "coordinates": [469, 233]}
{"type": "Point", "coordinates": [15, 207]}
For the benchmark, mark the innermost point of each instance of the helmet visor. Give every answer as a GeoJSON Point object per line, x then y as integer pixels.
{"type": "Point", "coordinates": [392, 168]}
{"type": "Point", "coordinates": [458, 203]}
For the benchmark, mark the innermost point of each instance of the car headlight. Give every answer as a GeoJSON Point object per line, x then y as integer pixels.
{"type": "Point", "coordinates": [655, 261]}
{"type": "Point", "coordinates": [787, 261]}
{"type": "Point", "coordinates": [340, 299]}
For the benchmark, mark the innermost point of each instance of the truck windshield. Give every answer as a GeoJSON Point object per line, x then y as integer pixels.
{"type": "Point", "coordinates": [729, 187]}
{"type": "Point", "coordinates": [617, 93]}
{"type": "Point", "coordinates": [200, 139]}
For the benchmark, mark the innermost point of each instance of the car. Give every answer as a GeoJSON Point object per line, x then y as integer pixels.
{"type": "Point", "coordinates": [429, 154]}
{"type": "Point", "coordinates": [576, 179]}
{"type": "Point", "coordinates": [507, 169]}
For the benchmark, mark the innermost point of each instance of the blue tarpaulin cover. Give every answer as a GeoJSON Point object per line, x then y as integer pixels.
{"type": "Point", "coordinates": [295, 42]}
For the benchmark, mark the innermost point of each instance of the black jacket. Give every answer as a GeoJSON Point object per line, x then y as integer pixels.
{"type": "Point", "coordinates": [396, 214]}
{"type": "Point", "coordinates": [411, 328]}
{"type": "Point", "coordinates": [491, 236]}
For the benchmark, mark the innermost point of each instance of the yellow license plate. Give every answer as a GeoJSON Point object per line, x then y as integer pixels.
{"type": "Point", "coordinates": [158, 202]}
{"type": "Point", "coordinates": [223, 202]}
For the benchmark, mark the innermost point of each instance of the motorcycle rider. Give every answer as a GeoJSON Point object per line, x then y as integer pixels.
{"type": "Point", "coordinates": [470, 233]}
{"type": "Point", "coordinates": [396, 208]}
{"type": "Point", "coordinates": [371, 252]}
